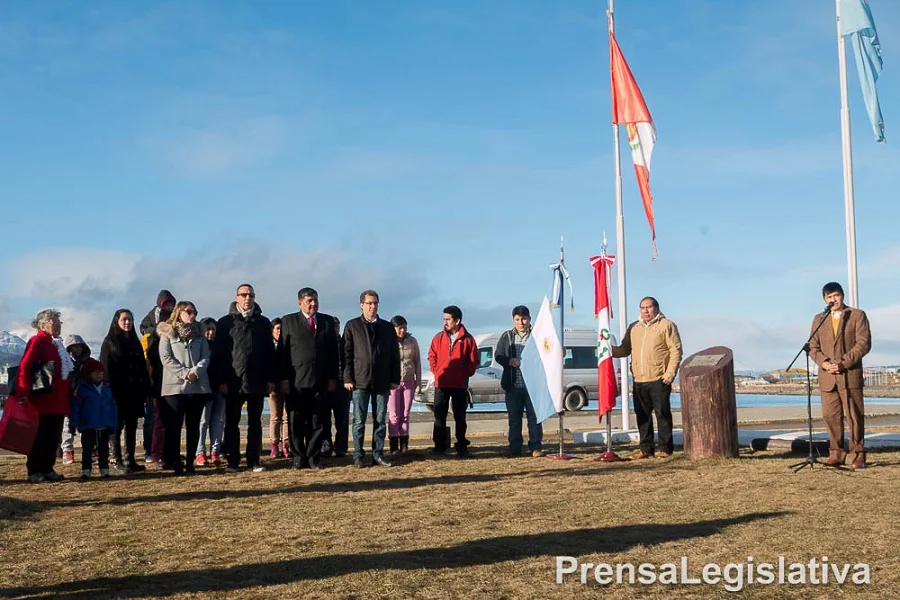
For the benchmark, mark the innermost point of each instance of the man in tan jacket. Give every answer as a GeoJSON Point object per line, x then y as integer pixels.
{"type": "Point", "coordinates": [840, 339]}
{"type": "Point", "coordinates": [655, 348]}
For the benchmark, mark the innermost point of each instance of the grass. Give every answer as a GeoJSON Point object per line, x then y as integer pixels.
{"type": "Point", "coordinates": [488, 527]}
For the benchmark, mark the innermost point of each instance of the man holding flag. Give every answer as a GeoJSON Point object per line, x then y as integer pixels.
{"type": "Point", "coordinates": [508, 355]}
{"type": "Point", "coordinates": [654, 345]}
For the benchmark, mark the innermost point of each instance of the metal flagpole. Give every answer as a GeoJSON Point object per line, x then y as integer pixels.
{"type": "Point", "coordinates": [609, 455]}
{"type": "Point", "coordinates": [561, 273]}
{"type": "Point", "coordinates": [847, 159]}
{"type": "Point", "coordinates": [620, 251]}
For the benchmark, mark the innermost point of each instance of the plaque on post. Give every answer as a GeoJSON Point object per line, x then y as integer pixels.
{"type": "Point", "coordinates": [708, 406]}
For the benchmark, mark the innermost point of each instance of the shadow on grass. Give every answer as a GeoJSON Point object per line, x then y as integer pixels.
{"type": "Point", "coordinates": [14, 508]}
{"type": "Point", "coordinates": [315, 487]}
{"type": "Point", "coordinates": [472, 553]}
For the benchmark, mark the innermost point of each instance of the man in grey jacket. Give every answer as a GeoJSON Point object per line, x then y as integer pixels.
{"type": "Point", "coordinates": [508, 353]}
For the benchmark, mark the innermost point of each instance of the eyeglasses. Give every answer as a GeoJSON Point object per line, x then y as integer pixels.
{"type": "Point", "coordinates": [247, 295]}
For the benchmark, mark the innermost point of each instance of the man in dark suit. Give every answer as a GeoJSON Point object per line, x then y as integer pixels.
{"type": "Point", "coordinates": [307, 355]}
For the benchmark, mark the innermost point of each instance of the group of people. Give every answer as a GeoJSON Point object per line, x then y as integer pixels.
{"type": "Point", "coordinates": [181, 373]}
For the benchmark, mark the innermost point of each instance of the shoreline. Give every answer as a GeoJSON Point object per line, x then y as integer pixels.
{"type": "Point", "coordinates": [799, 389]}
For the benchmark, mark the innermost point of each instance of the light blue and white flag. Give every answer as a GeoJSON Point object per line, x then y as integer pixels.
{"type": "Point", "coordinates": [542, 365]}
{"type": "Point", "coordinates": [856, 21]}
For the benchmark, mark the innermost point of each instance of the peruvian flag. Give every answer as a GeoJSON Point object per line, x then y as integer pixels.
{"type": "Point", "coordinates": [606, 374]}
{"type": "Point", "coordinates": [629, 109]}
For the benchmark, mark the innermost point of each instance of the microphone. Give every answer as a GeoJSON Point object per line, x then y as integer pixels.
{"type": "Point", "coordinates": [828, 308]}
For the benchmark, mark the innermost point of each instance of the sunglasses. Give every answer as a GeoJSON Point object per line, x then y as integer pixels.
{"type": "Point", "coordinates": [247, 295]}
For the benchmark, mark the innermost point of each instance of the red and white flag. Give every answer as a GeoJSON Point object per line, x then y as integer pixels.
{"type": "Point", "coordinates": [629, 109]}
{"type": "Point", "coordinates": [606, 374]}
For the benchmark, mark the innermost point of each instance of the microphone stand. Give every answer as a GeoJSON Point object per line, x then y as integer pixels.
{"type": "Point", "coordinates": [810, 459]}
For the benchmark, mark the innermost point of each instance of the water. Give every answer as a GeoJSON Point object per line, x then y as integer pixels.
{"type": "Point", "coordinates": [743, 401]}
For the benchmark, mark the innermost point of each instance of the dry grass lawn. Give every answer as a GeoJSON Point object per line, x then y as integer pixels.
{"type": "Point", "coordinates": [488, 527]}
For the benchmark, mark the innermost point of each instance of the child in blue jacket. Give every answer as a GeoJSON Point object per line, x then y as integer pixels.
{"type": "Point", "coordinates": [94, 414]}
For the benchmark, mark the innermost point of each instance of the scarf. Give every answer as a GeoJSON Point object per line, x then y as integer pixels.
{"type": "Point", "coordinates": [187, 331]}
{"type": "Point", "coordinates": [65, 361]}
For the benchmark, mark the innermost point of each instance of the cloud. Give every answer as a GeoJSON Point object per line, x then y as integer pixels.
{"type": "Point", "coordinates": [89, 291]}
{"type": "Point", "coordinates": [209, 152]}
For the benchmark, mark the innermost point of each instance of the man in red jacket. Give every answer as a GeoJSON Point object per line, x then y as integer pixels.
{"type": "Point", "coordinates": [453, 357]}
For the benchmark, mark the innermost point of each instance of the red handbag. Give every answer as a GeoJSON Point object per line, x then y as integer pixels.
{"type": "Point", "coordinates": [18, 426]}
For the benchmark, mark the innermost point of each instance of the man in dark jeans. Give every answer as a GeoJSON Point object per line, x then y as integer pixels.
{"type": "Point", "coordinates": [371, 369]}
{"type": "Point", "coordinates": [453, 357]}
{"type": "Point", "coordinates": [244, 366]}
{"type": "Point", "coordinates": [508, 355]}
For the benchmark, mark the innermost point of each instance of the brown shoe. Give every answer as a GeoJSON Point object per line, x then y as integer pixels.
{"type": "Point", "coordinates": [859, 462]}
{"type": "Point", "coordinates": [662, 455]}
{"type": "Point", "coordinates": [640, 455]}
{"type": "Point", "coordinates": [836, 458]}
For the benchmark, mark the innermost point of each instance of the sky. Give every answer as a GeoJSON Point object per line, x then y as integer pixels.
{"type": "Point", "coordinates": [438, 152]}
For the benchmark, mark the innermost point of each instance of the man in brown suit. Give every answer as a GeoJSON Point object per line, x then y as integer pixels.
{"type": "Point", "coordinates": [838, 346]}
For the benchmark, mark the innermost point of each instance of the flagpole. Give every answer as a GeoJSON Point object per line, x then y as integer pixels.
{"type": "Point", "coordinates": [560, 275]}
{"type": "Point", "coordinates": [847, 160]}
{"type": "Point", "coordinates": [620, 251]}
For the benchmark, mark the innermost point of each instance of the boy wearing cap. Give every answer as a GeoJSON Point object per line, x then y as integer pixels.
{"type": "Point", "coordinates": [94, 414]}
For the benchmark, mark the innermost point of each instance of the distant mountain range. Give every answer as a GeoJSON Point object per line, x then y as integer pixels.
{"type": "Point", "coordinates": [12, 347]}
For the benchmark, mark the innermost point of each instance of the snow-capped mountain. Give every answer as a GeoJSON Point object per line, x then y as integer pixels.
{"type": "Point", "coordinates": [12, 347]}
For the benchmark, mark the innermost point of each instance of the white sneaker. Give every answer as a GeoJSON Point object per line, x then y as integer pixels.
{"type": "Point", "coordinates": [258, 468]}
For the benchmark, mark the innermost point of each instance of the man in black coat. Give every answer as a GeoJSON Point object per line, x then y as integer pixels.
{"type": "Point", "coordinates": [308, 360]}
{"type": "Point", "coordinates": [244, 367]}
{"type": "Point", "coordinates": [371, 369]}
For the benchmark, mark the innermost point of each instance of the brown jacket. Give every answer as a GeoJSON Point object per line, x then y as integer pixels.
{"type": "Point", "coordinates": [655, 349]}
{"type": "Point", "coordinates": [853, 341]}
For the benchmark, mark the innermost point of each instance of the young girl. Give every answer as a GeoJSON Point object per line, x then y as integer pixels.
{"type": "Point", "coordinates": [184, 353]}
{"type": "Point", "coordinates": [279, 440]}
{"type": "Point", "coordinates": [213, 419]}
{"type": "Point", "coordinates": [94, 414]}
{"type": "Point", "coordinates": [401, 399]}
{"type": "Point", "coordinates": [123, 360]}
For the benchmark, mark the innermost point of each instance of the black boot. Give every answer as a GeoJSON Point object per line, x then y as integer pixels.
{"type": "Point", "coordinates": [395, 441]}
{"type": "Point", "coordinates": [404, 443]}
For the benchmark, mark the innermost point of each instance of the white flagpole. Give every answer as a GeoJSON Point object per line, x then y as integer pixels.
{"type": "Point", "coordinates": [620, 251]}
{"type": "Point", "coordinates": [847, 159]}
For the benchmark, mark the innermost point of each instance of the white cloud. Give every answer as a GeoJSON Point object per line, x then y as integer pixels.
{"type": "Point", "coordinates": [89, 297]}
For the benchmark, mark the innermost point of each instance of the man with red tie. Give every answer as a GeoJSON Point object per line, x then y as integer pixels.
{"type": "Point", "coordinates": [308, 358]}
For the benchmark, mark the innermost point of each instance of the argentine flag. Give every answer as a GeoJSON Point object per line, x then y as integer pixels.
{"type": "Point", "coordinates": [542, 366]}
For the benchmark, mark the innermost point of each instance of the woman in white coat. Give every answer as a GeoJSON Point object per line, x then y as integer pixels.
{"type": "Point", "coordinates": [184, 353]}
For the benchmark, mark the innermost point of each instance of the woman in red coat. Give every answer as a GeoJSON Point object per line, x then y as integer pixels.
{"type": "Point", "coordinates": [53, 407]}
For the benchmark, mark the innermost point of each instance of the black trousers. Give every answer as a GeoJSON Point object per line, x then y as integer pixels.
{"type": "Point", "coordinates": [43, 453]}
{"type": "Point", "coordinates": [650, 397]}
{"type": "Point", "coordinates": [338, 405]}
{"type": "Point", "coordinates": [306, 410]}
{"type": "Point", "coordinates": [130, 410]}
{"type": "Point", "coordinates": [177, 411]}
{"type": "Point", "coordinates": [232, 442]}
{"type": "Point", "coordinates": [99, 439]}
{"type": "Point", "coordinates": [442, 400]}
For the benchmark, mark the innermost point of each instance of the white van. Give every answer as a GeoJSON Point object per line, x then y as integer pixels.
{"type": "Point", "coordinates": [579, 371]}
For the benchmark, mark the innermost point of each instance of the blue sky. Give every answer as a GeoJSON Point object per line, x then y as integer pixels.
{"type": "Point", "coordinates": [437, 151]}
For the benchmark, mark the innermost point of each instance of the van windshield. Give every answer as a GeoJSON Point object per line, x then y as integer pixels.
{"type": "Point", "coordinates": [485, 357]}
{"type": "Point", "coordinates": [580, 357]}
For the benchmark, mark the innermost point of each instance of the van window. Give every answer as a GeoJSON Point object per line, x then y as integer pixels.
{"type": "Point", "coordinates": [580, 357]}
{"type": "Point", "coordinates": [485, 357]}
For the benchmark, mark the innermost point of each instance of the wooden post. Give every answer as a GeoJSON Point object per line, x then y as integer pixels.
{"type": "Point", "coordinates": [708, 406]}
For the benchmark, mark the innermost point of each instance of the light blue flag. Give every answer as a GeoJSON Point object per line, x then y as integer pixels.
{"type": "Point", "coordinates": [856, 21]}
{"type": "Point", "coordinates": [542, 365]}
